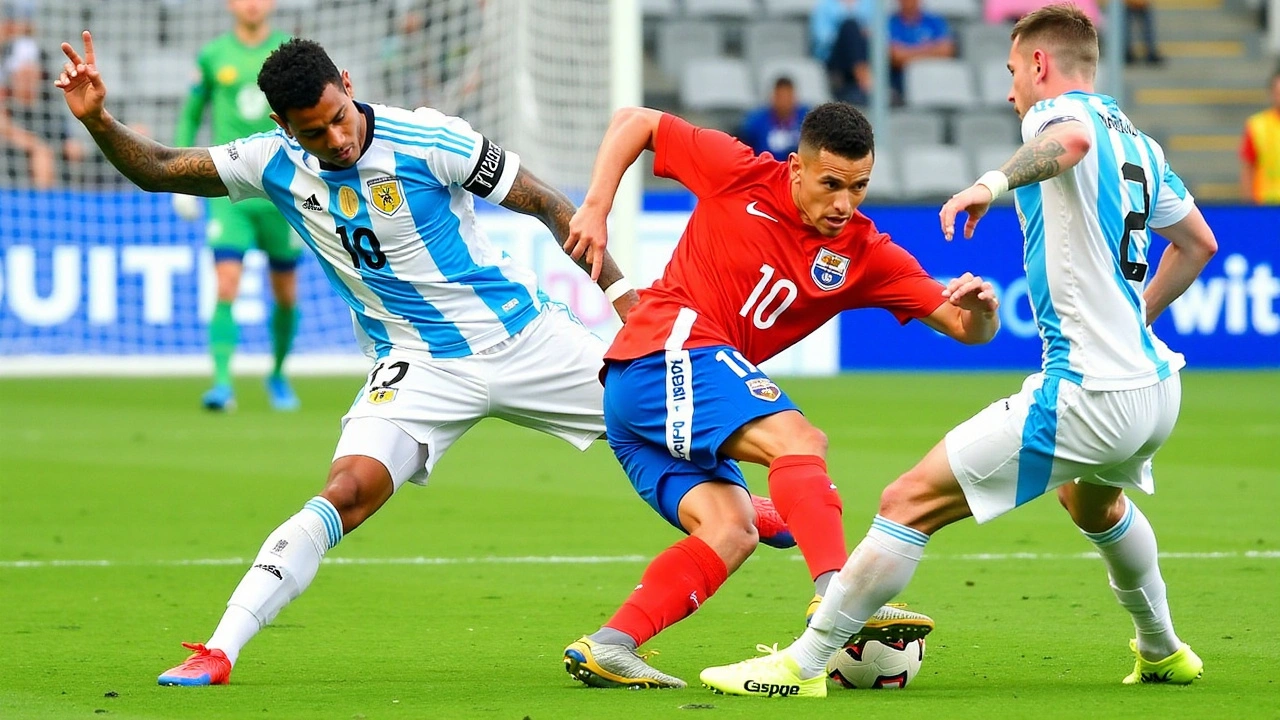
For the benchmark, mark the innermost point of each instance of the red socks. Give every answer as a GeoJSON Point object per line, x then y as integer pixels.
{"type": "Point", "coordinates": [672, 587]}
{"type": "Point", "coordinates": [809, 504]}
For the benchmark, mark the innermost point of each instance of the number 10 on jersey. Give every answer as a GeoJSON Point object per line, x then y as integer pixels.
{"type": "Point", "coordinates": [781, 294]}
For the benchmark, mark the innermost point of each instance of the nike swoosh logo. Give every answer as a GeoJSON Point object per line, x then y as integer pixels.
{"type": "Point", "coordinates": [751, 210]}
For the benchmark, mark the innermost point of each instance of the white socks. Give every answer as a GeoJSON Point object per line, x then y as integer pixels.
{"type": "Point", "coordinates": [284, 567]}
{"type": "Point", "coordinates": [879, 568]}
{"type": "Point", "coordinates": [1129, 550]}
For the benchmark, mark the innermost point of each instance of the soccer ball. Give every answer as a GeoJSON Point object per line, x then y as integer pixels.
{"type": "Point", "coordinates": [873, 665]}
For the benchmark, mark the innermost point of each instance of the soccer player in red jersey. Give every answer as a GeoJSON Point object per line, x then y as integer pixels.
{"type": "Point", "coordinates": [773, 250]}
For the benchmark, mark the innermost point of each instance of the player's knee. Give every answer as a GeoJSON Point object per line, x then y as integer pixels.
{"type": "Point", "coordinates": [896, 500]}
{"type": "Point", "coordinates": [807, 440]}
{"type": "Point", "coordinates": [733, 541]}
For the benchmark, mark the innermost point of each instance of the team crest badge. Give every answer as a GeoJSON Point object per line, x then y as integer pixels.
{"type": "Point", "coordinates": [348, 201]}
{"type": "Point", "coordinates": [829, 269]}
{"type": "Point", "coordinates": [764, 388]}
{"type": "Point", "coordinates": [378, 396]}
{"type": "Point", "coordinates": [386, 194]}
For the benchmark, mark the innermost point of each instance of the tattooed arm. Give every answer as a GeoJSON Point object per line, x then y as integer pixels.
{"type": "Point", "coordinates": [1056, 150]}
{"type": "Point", "coordinates": [531, 196]}
{"type": "Point", "coordinates": [150, 165]}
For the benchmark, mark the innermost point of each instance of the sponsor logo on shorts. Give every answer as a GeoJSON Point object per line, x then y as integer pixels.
{"type": "Point", "coordinates": [378, 396]}
{"type": "Point", "coordinates": [764, 388]}
{"type": "Point", "coordinates": [387, 194]}
{"type": "Point", "coordinates": [829, 269]}
{"type": "Point", "coordinates": [770, 689]}
{"type": "Point", "coordinates": [271, 569]}
{"type": "Point", "coordinates": [679, 405]}
{"type": "Point", "coordinates": [676, 371]}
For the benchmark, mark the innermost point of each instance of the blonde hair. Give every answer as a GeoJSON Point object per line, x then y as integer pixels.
{"type": "Point", "coordinates": [1066, 33]}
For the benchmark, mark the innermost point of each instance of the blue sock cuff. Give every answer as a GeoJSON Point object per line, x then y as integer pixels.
{"type": "Point", "coordinates": [329, 516]}
{"type": "Point", "coordinates": [1116, 533]}
{"type": "Point", "coordinates": [898, 531]}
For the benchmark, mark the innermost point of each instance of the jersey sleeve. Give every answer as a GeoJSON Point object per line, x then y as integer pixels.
{"type": "Point", "coordinates": [1172, 201]}
{"type": "Point", "coordinates": [1248, 152]}
{"type": "Point", "coordinates": [703, 160]}
{"type": "Point", "coordinates": [241, 163]}
{"type": "Point", "coordinates": [458, 155]}
{"type": "Point", "coordinates": [902, 286]}
{"type": "Point", "coordinates": [1048, 113]}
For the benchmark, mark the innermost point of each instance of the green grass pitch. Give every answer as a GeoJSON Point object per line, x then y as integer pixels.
{"type": "Point", "coordinates": [175, 502]}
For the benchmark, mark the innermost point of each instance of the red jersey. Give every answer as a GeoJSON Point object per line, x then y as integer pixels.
{"type": "Point", "coordinates": [747, 271]}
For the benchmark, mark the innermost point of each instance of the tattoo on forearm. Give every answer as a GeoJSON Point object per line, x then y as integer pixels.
{"type": "Point", "coordinates": [157, 168]}
{"type": "Point", "coordinates": [531, 196]}
{"type": "Point", "coordinates": [1034, 162]}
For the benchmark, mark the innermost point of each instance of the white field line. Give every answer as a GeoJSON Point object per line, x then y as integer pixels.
{"type": "Point", "coordinates": [602, 559]}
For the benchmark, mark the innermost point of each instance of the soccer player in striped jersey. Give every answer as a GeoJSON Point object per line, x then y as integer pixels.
{"type": "Point", "coordinates": [1089, 189]}
{"type": "Point", "coordinates": [456, 331]}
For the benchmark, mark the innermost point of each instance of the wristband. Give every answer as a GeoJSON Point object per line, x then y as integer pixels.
{"type": "Point", "coordinates": [995, 181]}
{"type": "Point", "coordinates": [619, 288]}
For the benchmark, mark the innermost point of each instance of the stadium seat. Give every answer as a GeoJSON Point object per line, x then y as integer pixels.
{"type": "Point", "coordinates": [742, 9]}
{"type": "Point", "coordinates": [768, 39]}
{"type": "Point", "coordinates": [659, 8]}
{"type": "Point", "coordinates": [789, 8]}
{"type": "Point", "coordinates": [808, 75]}
{"type": "Point", "coordinates": [939, 83]}
{"type": "Point", "coordinates": [980, 42]}
{"type": "Point", "coordinates": [886, 182]}
{"type": "Point", "coordinates": [994, 82]}
{"type": "Point", "coordinates": [954, 9]}
{"type": "Point", "coordinates": [934, 171]}
{"type": "Point", "coordinates": [916, 127]}
{"type": "Point", "coordinates": [680, 41]}
{"type": "Point", "coordinates": [979, 128]}
{"type": "Point", "coordinates": [716, 84]}
{"type": "Point", "coordinates": [160, 74]}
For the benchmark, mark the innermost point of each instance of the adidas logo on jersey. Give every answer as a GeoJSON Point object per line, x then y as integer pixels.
{"type": "Point", "coordinates": [312, 203]}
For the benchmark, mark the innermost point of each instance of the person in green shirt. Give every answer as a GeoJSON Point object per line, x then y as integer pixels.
{"type": "Point", "coordinates": [227, 87]}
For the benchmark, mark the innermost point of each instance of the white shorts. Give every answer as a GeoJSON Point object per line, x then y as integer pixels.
{"type": "Point", "coordinates": [546, 377]}
{"type": "Point", "coordinates": [1054, 432]}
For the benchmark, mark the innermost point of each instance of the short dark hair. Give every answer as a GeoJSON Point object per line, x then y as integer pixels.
{"type": "Point", "coordinates": [1067, 31]}
{"type": "Point", "coordinates": [295, 75]}
{"type": "Point", "coordinates": [838, 128]}
{"type": "Point", "coordinates": [783, 81]}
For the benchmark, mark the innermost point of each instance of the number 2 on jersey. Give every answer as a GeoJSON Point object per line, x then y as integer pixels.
{"type": "Point", "coordinates": [1134, 222]}
{"type": "Point", "coordinates": [783, 285]}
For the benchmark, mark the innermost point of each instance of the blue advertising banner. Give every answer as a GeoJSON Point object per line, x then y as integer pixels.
{"type": "Point", "coordinates": [1227, 319]}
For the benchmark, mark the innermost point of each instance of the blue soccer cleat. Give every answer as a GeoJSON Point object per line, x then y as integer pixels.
{"type": "Point", "coordinates": [219, 398]}
{"type": "Point", "coordinates": [281, 394]}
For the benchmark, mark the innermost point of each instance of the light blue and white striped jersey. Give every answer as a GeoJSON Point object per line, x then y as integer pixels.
{"type": "Point", "coordinates": [396, 233]}
{"type": "Point", "coordinates": [1086, 248]}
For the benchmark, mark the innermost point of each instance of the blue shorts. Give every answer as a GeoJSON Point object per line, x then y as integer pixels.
{"type": "Point", "coordinates": [667, 414]}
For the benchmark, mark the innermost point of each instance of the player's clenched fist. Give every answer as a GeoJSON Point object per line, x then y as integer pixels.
{"type": "Point", "coordinates": [80, 81]}
{"type": "Point", "coordinates": [588, 234]}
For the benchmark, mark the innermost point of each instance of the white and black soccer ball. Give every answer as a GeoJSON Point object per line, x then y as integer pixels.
{"type": "Point", "coordinates": [873, 665]}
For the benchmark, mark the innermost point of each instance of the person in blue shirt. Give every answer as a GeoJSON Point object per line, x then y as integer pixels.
{"type": "Point", "coordinates": [915, 34]}
{"type": "Point", "coordinates": [775, 128]}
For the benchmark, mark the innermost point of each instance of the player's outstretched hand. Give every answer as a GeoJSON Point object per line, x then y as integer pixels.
{"type": "Point", "coordinates": [975, 200]}
{"type": "Point", "coordinates": [81, 83]}
{"type": "Point", "coordinates": [970, 292]}
{"type": "Point", "coordinates": [589, 234]}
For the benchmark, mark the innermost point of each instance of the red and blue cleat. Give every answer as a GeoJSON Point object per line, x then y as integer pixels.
{"type": "Point", "coordinates": [769, 524]}
{"type": "Point", "coordinates": [204, 667]}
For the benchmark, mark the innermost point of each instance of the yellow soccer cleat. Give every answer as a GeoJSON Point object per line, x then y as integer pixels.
{"type": "Point", "coordinates": [605, 666]}
{"type": "Point", "coordinates": [1179, 668]}
{"type": "Point", "coordinates": [890, 623]}
{"type": "Point", "coordinates": [774, 674]}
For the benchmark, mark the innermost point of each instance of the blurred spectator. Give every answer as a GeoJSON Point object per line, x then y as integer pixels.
{"type": "Point", "coordinates": [1005, 11]}
{"type": "Point", "coordinates": [915, 34]}
{"type": "Point", "coordinates": [1260, 152]}
{"type": "Point", "coordinates": [775, 128]}
{"type": "Point", "coordinates": [33, 122]}
{"type": "Point", "coordinates": [827, 20]}
{"type": "Point", "coordinates": [1138, 12]}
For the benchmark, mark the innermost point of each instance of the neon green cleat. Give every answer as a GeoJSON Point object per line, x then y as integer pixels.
{"type": "Point", "coordinates": [600, 665]}
{"type": "Point", "coordinates": [772, 675]}
{"type": "Point", "coordinates": [891, 622]}
{"type": "Point", "coordinates": [1179, 668]}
